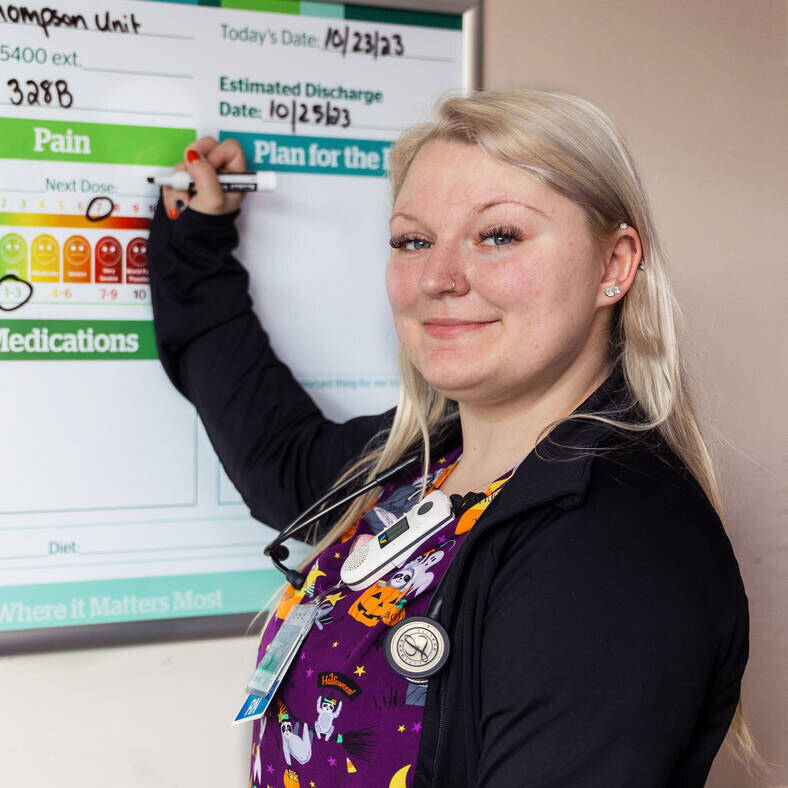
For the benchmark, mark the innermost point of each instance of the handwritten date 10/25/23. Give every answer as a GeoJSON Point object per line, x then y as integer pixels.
{"type": "Point", "coordinates": [295, 113]}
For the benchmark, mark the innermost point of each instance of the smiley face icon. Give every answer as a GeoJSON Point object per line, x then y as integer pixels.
{"type": "Point", "coordinates": [13, 255]}
{"type": "Point", "coordinates": [137, 261]}
{"type": "Point", "coordinates": [44, 259]}
{"type": "Point", "coordinates": [108, 259]}
{"type": "Point", "coordinates": [76, 259]}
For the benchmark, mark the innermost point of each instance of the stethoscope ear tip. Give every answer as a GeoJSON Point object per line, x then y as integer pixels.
{"type": "Point", "coordinates": [276, 552]}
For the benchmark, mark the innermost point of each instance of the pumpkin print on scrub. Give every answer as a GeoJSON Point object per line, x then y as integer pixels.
{"type": "Point", "coordinates": [291, 779]}
{"type": "Point", "coordinates": [380, 602]}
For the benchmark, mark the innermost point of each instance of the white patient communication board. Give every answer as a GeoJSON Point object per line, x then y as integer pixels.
{"type": "Point", "coordinates": [113, 506]}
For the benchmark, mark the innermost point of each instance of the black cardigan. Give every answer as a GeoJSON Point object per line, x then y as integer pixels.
{"type": "Point", "coordinates": [598, 623]}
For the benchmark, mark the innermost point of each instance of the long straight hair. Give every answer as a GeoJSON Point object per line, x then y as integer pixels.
{"type": "Point", "coordinates": [570, 145]}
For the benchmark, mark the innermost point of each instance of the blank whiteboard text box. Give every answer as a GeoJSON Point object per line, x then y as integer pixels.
{"type": "Point", "coordinates": [94, 435]}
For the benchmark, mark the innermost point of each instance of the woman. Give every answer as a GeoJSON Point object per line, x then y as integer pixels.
{"type": "Point", "coordinates": [596, 616]}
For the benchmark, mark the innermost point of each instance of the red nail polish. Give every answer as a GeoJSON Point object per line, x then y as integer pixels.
{"type": "Point", "coordinates": [173, 213]}
{"type": "Point", "coordinates": [192, 155]}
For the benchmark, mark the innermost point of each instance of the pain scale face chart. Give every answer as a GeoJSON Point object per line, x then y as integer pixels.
{"type": "Point", "coordinates": [116, 506]}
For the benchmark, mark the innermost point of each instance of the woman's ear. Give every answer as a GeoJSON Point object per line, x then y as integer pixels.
{"type": "Point", "coordinates": [622, 259]}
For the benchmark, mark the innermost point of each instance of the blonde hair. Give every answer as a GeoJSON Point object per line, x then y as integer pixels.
{"type": "Point", "coordinates": [570, 145]}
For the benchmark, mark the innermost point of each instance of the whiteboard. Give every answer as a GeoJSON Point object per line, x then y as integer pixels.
{"type": "Point", "coordinates": [117, 521]}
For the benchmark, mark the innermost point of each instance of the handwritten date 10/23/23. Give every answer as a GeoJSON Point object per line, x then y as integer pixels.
{"type": "Point", "coordinates": [337, 39]}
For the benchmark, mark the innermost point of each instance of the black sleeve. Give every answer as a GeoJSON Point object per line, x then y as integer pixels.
{"type": "Point", "coordinates": [275, 444]}
{"type": "Point", "coordinates": [612, 654]}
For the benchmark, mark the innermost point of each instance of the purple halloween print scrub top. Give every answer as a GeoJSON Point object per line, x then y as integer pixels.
{"type": "Point", "coordinates": [342, 716]}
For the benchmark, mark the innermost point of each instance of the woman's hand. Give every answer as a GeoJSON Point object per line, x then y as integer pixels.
{"type": "Point", "coordinates": [202, 160]}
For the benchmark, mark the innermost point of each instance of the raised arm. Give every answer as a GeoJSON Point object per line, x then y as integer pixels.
{"type": "Point", "coordinates": [273, 441]}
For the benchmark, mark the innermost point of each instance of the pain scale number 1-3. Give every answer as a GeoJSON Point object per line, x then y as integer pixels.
{"type": "Point", "coordinates": [44, 91]}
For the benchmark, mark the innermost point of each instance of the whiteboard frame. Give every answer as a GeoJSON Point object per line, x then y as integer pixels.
{"type": "Point", "coordinates": [235, 624]}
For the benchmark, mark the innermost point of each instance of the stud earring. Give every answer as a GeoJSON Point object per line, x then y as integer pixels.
{"type": "Point", "coordinates": [611, 291]}
{"type": "Point", "coordinates": [623, 226]}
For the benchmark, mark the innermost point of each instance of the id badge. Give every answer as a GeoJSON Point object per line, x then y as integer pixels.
{"type": "Point", "coordinates": [254, 706]}
{"type": "Point", "coordinates": [282, 649]}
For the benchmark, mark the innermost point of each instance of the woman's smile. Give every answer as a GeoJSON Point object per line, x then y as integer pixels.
{"type": "Point", "coordinates": [447, 328]}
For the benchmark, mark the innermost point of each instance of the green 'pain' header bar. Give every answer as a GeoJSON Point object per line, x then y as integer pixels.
{"type": "Point", "coordinates": [56, 140]}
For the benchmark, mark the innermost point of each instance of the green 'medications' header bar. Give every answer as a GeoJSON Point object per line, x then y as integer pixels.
{"type": "Point", "coordinates": [56, 140]}
{"type": "Point", "coordinates": [77, 340]}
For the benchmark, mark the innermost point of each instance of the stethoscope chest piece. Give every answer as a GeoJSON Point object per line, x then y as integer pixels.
{"type": "Point", "coordinates": [417, 647]}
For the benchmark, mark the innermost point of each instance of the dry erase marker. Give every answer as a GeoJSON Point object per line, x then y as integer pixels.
{"type": "Point", "coordinates": [230, 181]}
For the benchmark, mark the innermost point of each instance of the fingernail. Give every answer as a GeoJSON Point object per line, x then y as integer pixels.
{"type": "Point", "coordinates": [173, 213]}
{"type": "Point", "coordinates": [192, 155]}
{"type": "Point", "coordinates": [179, 204]}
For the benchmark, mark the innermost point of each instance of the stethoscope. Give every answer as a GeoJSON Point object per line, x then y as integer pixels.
{"type": "Point", "coordinates": [418, 646]}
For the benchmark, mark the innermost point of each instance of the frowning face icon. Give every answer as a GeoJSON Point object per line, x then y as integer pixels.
{"type": "Point", "coordinates": [108, 251]}
{"type": "Point", "coordinates": [137, 253]}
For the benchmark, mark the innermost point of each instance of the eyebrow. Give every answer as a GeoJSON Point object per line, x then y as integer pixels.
{"type": "Point", "coordinates": [479, 208]}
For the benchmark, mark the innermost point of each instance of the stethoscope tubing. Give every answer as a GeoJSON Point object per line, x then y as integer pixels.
{"type": "Point", "coordinates": [276, 550]}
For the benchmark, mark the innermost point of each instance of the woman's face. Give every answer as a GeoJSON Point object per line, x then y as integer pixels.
{"type": "Point", "coordinates": [527, 277]}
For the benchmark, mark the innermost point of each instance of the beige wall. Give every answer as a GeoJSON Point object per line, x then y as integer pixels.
{"type": "Point", "coordinates": [155, 716]}
{"type": "Point", "coordinates": [698, 89]}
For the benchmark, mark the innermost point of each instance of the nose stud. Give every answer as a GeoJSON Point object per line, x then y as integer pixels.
{"type": "Point", "coordinates": [453, 285]}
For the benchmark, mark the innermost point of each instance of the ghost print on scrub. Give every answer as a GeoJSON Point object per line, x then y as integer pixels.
{"type": "Point", "coordinates": [418, 569]}
{"type": "Point", "coordinates": [384, 601]}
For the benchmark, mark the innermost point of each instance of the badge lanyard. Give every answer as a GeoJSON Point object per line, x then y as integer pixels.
{"type": "Point", "coordinates": [416, 647]}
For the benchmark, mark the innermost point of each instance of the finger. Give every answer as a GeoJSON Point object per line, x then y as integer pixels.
{"type": "Point", "coordinates": [209, 197]}
{"type": "Point", "coordinates": [227, 156]}
{"type": "Point", "coordinates": [175, 200]}
{"type": "Point", "coordinates": [204, 145]}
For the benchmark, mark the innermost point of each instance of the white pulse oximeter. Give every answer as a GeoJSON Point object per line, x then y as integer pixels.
{"type": "Point", "coordinates": [392, 547]}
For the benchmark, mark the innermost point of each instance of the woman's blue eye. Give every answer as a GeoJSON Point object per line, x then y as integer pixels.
{"type": "Point", "coordinates": [416, 244]}
{"type": "Point", "coordinates": [499, 239]}
{"type": "Point", "coordinates": [499, 236]}
{"type": "Point", "coordinates": [410, 244]}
